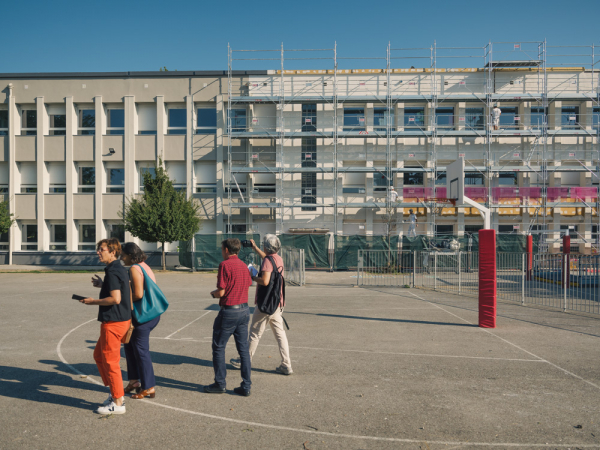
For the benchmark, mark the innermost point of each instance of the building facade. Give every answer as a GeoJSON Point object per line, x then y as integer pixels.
{"type": "Point", "coordinates": [302, 151]}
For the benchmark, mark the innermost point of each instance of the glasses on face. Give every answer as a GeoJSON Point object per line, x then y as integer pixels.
{"type": "Point", "coordinates": [101, 250]}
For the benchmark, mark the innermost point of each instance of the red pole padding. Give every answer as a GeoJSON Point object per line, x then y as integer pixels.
{"type": "Point", "coordinates": [487, 278]}
{"type": "Point", "coordinates": [529, 256]}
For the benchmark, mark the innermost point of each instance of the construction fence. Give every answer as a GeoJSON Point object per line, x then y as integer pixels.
{"type": "Point", "coordinates": [560, 281]}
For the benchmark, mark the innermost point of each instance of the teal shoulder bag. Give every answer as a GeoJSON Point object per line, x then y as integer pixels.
{"type": "Point", "coordinates": [152, 304]}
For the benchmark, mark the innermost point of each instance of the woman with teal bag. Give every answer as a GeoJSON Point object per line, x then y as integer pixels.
{"type": "Point", "coordinates": [139, 364]}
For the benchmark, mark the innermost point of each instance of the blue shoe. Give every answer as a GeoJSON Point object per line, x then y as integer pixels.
{"type": "Point", "coordinates": [214, 389]}
{"type": "Point", "coordinates": [241, 391]}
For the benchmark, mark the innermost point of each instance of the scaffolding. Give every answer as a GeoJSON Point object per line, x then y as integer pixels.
{"type": "Point", "coordinates": [513, 72]}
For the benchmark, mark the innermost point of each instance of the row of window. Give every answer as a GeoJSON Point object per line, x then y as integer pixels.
{"type": "Point", "coordinates": [58, 236]}
{"type": "Point", "coordinates": [206, 122]}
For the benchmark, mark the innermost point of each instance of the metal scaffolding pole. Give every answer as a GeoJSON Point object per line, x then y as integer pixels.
{"type": "Point", "coordinates": [280, 142]}
{"type": "Point", "coordinates": [335, 140]}
{"type": "Point", "coordinates": [229, 159]}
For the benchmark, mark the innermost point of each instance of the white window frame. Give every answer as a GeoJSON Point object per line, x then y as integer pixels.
{"type": "Point", "coordinates": [81, 187]}
{"type": "Point", "coordinates": [4, 131]}
{"type": "Point", "coordinates": [29, 189]}
{"type": "Point", "coordinates": [229, 226]}
{"type": "Point", "coordinates": [203, 129]}
{"type": "Point", "coordinates": [115, 188]}
{"type": "Point", "coordinates": [24, 130]}
{"type": "Point", "coordinates": [206, 188]}
{"type": "Point", "coordinates": [141, 176]}
{"type": "Point", "coordinates": [80, 119]}
{"type": "Point", "coordinates": [170, 128]}
{"type": "Point", "coordinates": [51, 128]}
{"type": "Point", "coordinates": [54, 243]}
{"type": "Point", "coordinates": [109, 224]}
{"type": "Point", "coordinates": [24, 243]}
{"type": "Point", "coordinates": [109, 129]}
{"type": "Point", "coordinates": [3, 188]}
{"type": "Point", "coordinates": [81, 243]}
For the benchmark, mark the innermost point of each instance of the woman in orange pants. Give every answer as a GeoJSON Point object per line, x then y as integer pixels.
{"type": "Point", "coordinates": [115, 317]}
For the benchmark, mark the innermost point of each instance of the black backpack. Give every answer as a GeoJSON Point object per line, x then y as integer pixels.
{"type": "Point", "coordinates": [269, 297]}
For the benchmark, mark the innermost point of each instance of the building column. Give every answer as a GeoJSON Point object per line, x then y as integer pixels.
{"type": "Point", "coordinates": [70, 174]}
{"type": "Point", "coordinates": [99, 168]}
{"type": "Point", "coordinates": [129, 155]}
{"type": "Point", "coordinates": [42, 175]}
{"type": "Point", "coordinates": [160, 128]}
{"type": "Point", "coordinates": [221, 125]}
{"type": "Point", "coordinates": [13, 116]}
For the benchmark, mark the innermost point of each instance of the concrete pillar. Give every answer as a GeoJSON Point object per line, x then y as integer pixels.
{"type": "Point", "coordinates": [13, 117]}
{"type": "Point", "coordinates": [131, 179]}
{"type": "Point", "coordinates": [99, 167]}
{"type": "Point", "coordinates": [220, 152]}
{"type": "Point", "coordinates": [189, 157]}
{"type": "Point", "coordinates": [71, 173]}
{"type": "Point", "coordinates": [42, 175]}
{"type": "Point", "coordinates": [161, 127]}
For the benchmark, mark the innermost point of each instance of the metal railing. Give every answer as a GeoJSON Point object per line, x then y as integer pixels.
{"type": "Point", "coordinates": [565, 282]}
{"type": "Point", "coordinates": [293, 262]}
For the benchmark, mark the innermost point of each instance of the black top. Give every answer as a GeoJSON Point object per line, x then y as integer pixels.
{"type": "Point", "coordinates": [116, 279]}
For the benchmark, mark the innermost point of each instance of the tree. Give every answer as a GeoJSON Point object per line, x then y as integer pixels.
{"type": "Point", "coordinates": [6, 218]}
{"type": "Point", "coordinates": [161, 214]}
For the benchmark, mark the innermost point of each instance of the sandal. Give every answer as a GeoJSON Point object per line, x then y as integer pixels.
{"type": "Point", "coordinates": [135, 386]}
{"type": "Point", "coordinates": [144, 393]}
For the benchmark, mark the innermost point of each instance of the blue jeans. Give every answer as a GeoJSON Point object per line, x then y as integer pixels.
{"type": "Point", "coordinates": [137, 353]}
{"type": "Point", "coordinates": [228, 322]}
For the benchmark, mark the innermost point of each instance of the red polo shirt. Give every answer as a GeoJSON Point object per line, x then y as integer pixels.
{"type": "Point", "coordinates": [234, 278]}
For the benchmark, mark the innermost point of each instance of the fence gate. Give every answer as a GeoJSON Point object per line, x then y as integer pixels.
{"type": "Point", "coordinates": [385, 268]}
{"type": "Point", "coordinates": [293, 261]}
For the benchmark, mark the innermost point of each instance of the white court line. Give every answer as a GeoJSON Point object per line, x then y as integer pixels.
{"type": "Point", "coordinates": [515, 345]}
{"type": "Point", "coordinates": [195, 320]}
{"type": "Point", "coordinates": [373, 352]}
{"type": "Point", "coordinates": [315, 432]}
{"type": "Point", "coordinates": [37, 292]}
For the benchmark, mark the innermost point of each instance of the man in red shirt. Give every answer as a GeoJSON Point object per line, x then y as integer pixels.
{"type": "Point", "coordinates": [233, 282]}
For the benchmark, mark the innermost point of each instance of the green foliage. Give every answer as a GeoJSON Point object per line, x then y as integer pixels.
{"type": "Point", "coordinates": [161, 214]}
{"type": "Point", "coordinates": [6, 218]}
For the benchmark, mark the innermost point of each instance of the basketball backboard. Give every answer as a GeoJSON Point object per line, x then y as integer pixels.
{"type": "Point", "coordinates": [455, 181]}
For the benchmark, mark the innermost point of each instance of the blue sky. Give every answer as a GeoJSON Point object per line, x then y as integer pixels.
{"type": "Point", "coordinates": [69, 36]}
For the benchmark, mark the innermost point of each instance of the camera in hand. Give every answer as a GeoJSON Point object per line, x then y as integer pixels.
{"type": "Point", "coordinates": [246, 243]}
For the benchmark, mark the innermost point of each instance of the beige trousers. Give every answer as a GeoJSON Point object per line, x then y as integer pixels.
{"type": "Point", "coordinates": [259, 324]}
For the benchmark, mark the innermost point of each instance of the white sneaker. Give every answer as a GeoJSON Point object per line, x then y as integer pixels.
{"type": "Point", "coordinates": [284, 370]}
{"type": "Point", "coordinates": [111, 408]}
{"type": "Point", "coordinates": [109, 400]}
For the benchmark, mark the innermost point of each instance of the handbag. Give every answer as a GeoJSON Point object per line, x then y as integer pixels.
{"type": "Point", "coordinates": [127, 337]}
{"type": "Point", "coordinates": [152, 304]}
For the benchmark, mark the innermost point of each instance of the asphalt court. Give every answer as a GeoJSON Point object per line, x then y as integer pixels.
{"type": "Point", "coordinates": [373, 368]}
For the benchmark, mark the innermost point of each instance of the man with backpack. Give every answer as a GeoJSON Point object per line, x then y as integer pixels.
{"type": "Point", "coordinates": [269, 301]}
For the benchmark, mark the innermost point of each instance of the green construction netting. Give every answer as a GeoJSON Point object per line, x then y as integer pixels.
{"type": "Point", "coordinates": [505, 243]}
{"type": "Point", "coordinates": [315, 248]}
{"type": "Point", "coordinates": [347, 247]}
{"type": "Point", "coordinates": [208, 250]}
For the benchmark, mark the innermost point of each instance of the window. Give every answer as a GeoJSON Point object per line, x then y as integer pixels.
{"type": "Point", "coordinates": [29, 237]}
{"type": "Point", "coordinates": [57, 177]}
{"type": "Point", "coordinates": [474, 119]}
{"type": "Point", "coordinates": [144, 170]}
{"type": "Point", "coordinates": [177, 174]}
{"type": "Point", "coordinates": [354, 119]}
{"type": "Point", "coordinates": [595, 235]}
{"type": "Point", "coordinates": [413, 178]}
{"type": "Point", "coordinates": [309, 152]}
{"type": "Point", "coordinates": [115, 119]}
{"type": "Point", "coordinates": [309, 117]}
{"type": "Point", "coordinates": [29, 123]}
{"type": "Point", "coordinates": [237, 118]}
{"type": "Point", "coordinates": [236, 189]}
{"type": "Point", "coordinates": [473, 229]}
{"type": "Point", "coordinates": [87, 122]}
{"type": "Point", "coordinates": [3, 241]}
{"type": "Point", "coordinates": [28, 188]}
{"type": "Point", "coordinates": [87, 236]}
{"type": "Point", "coordinates": [86, 180]}
{"type": "Point", "coordinates": [116, 230]}
{"type": "Point", "coordinates": [507, 179]}
{"type": "Point", "coordinates": [146, 118]}
{"type": "Point", "coordinates": [507, 229]}
{"type": "Point", "coordinates": [381, 182]}
{"type": "Point", "coordinates": [58, 125]}
{"type": "Point", "coordinates": [115, 180]}
{"type": "Point", "coordinates": [177, 121]}
{"type": "Point", "coordinates": [595, 119]}
{"type": "Point", "coordinates": [444, 117]}
{"type": "Point", "coordinates": [206, 178]}
{"type": "Point", "coordinates": [206, 121]}
{"type": "Point", "coordinates": [569, 117]}
{"type": "Point", "coordinates": [265, 188]}
{"type": "Point", "coordinates": [3, 123]}
{"type": "Point", "coordinates": [353, 190]}
{"type": "Point", "coordinates": [206, 188]}
{"type": "Point", "coordinates": [440, 179]}
{"type": "Point", "coordinates": [414, 117]}
{"type": "Point", "coordinates": [379, 119]}
{"type": "Point", "coordinates": [507, 118]}
{"type": "Point", "coordinates": [309, 191]}
{"type": "Point", "coordinates": [28, 171]}
{"type": "Point", "coordinates": [58, 236]}
{"type": "Point", "coordinates": [474, 179]}
{"type": "Point", "coordinates": [444, 230]}
{"type": "Point", "coordinates": [571, 230]}
{"type": "Point", "coordinates": [538, 117]}
{"type": "Point", "coordinates": [3, 188]}
{"type": "Point", "coordinates": [237, 228]}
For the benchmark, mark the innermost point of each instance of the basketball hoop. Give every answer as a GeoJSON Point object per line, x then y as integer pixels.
{"type": "Point", "coordinates": [439, 203]}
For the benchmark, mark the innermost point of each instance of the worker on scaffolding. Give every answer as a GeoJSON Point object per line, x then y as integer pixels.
{"type": "Point", "coordinates": [392, 196]}
{"type": "Point", "coordinates": [496, 113]}
{"type": "Point", "coordinates": [412, 224]}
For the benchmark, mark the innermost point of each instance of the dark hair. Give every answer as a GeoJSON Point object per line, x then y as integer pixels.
{"type": "Point", "coordinates": [112, 245]}
{"type": "Point", "coordinates": [136, 253]}
{"type": "Point", "coordinates": [232, 244]}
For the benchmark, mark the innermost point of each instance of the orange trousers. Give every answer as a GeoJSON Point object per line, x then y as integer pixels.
{"type": "Point", "coordinates": [107, 355]}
